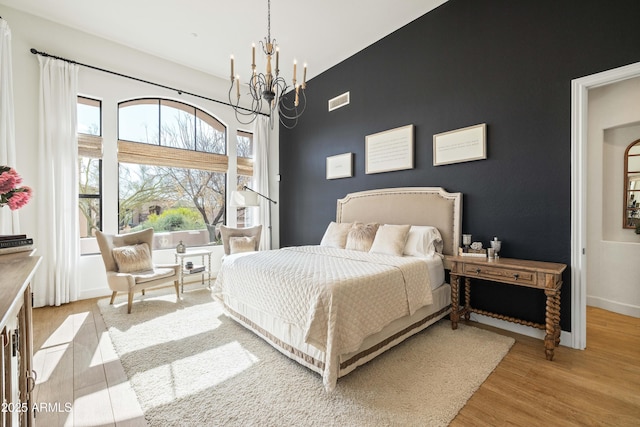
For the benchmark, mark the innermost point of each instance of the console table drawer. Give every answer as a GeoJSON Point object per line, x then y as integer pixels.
{"type": "Point", "coordinates": [502, 274]}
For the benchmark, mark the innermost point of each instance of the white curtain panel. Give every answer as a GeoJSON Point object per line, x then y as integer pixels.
{"type": "Point", "coordinates": [8, 219]}
{"type": "Point", "coordinates": [58, 237]}
{"type": "Point", "coordinates": [261, 177]}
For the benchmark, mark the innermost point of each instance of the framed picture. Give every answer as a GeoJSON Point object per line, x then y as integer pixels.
{"type": "Point", "coordinates": [460, 145]}
{"type": "Point", "coordinates": [391, 150]}
{"type": "Point", "coordinates": [340, 166]}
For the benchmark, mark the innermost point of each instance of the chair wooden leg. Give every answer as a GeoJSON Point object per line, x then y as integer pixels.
{"type": "Point", "coordinates": [130, 303]}
{"type": "Point", "coordinates": [143, 292]}
{"type": "Point", "coordinates": [113, 298]}
{"type": "Point", "coordinates": [177, 286]}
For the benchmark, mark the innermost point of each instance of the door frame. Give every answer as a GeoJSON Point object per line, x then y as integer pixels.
{"type": "Point", "coordinates": [579, 139]}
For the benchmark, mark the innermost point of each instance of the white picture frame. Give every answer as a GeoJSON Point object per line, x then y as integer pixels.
{"type": "Point", "coordinates": [460, 145]}
{"type": "Point", "coordinates": [340, 166]}
{"type": "Point", "coordinates": [391, 150]}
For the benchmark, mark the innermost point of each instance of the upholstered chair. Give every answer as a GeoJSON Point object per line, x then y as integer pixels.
{"type": "Point", "coordinates": [236, 240]}
{"type": "Point", "coordinates": [128, 259]}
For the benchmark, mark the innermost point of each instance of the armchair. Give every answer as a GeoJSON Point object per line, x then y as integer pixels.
{"type": "Point", "coordinates": [128, 260]}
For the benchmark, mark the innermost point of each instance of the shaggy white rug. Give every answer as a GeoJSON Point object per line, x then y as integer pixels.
{"type": "Point", "coordinates": [190, 365]}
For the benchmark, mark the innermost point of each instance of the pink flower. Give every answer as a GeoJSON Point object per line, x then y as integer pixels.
{"type": "Point", "coordinates": [8, 180]}
{"type": "Point", "coordinates": [20, 198]}
{"type": "Point", "coordinates": [10, 194]}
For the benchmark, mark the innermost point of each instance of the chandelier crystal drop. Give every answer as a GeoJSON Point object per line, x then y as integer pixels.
{"type": "Point", "coordinates": [269, 87]}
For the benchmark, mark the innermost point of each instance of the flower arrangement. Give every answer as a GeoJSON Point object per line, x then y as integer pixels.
{"type": "Point", "coordinates": [10, 194]}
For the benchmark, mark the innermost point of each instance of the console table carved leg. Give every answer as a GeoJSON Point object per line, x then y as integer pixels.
{"type": "Point", "coordinates": [455, 317]}
{"type": "Point", "coordinates": [552, 322]}
{"type": "Point", "coordinates": [467, 298]}
{"type": "Point", "coordinates": [558, 330]}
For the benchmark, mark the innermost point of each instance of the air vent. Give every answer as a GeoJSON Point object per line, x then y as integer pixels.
{"type": "Point", "coordinates": [339, 101]}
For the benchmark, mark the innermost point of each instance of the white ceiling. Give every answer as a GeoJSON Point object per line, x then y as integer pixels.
{"type": "Point", "coordinates": [202, 34]}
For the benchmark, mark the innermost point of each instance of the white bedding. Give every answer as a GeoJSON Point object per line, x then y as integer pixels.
{"type": "Point", "coordinates": [335, 296]}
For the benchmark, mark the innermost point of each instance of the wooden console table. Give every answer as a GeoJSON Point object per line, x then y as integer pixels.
{"type": "Point", "coordinates": [16, 352]}
{"type": "Point", "coordinates": [545, 276]}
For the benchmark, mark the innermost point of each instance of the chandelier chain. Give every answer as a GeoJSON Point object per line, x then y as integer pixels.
{"type": "Point", "coordinates": [268, 21]}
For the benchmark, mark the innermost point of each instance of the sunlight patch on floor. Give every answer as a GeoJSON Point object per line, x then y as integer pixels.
{"type": "Point", "coordinates": [66, 331]}
{"type": "Point", "coordinates": [180, 379]}
{"type": "Point", "coordinates": [48, 359]}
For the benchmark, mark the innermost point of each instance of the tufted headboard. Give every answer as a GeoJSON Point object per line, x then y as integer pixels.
{"type": "Point", "coordinates": [409, 205]}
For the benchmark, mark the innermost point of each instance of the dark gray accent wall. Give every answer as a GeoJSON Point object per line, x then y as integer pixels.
{"type": "Point", "coordinates": [506, 63]}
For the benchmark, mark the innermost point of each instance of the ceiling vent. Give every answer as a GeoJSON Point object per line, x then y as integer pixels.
{"type": "Point", "coordinates": [339, 101]}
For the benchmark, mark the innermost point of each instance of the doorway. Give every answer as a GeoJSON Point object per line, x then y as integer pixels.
{"type": "Point", "coordinates": [583, 180]}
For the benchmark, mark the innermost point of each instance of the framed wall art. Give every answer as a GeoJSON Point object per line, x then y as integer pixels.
{"type": "Point", "coordinates": [460, 145]}
{"type": "Point", "coordinates": [391, 150]}
{"type": "Point", "coordinates": [340, 166]}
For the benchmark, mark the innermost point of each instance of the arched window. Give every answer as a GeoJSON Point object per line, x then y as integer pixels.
{"type": "Point", "coordinates": [632, 185]}
{"type": "Point", "coordinates": [172, 171]}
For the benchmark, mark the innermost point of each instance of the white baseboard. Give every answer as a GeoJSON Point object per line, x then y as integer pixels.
{"type": "Point", "coordinates": [615, 306]}
{"type": "Point", "coordinates": [94, 293]}
{"type": "Point", "coordinates": [565, 337]}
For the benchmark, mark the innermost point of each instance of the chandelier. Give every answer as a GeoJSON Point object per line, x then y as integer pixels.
{"type": "Point", "coordinates": [269, 87]}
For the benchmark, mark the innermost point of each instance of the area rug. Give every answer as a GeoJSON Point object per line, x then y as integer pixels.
{"type": "Point", "coordinates": [190, 365]}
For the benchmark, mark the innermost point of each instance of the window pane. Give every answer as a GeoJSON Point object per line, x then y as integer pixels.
{"type": "Point", "coordinates": [89, 216]}
{"type": "Point", "coordinates": [245, 217]}
{"type": "Point", "coordinates": [88, 176]}
{"type": "Point", "coordinates": [179, 204]}
{"type": "Point", "coordinates": [245, 145]}
{"type": "Point", "coordinates": [209, 138]}
{"type": "Point", "coordinates": [89, 116]}
{"type": "Point", "coordinates": [211, 134]}
{"type": "Point", "coordinates": [138, 121]}
{"type": "Point", "coordinates": [177, 127]}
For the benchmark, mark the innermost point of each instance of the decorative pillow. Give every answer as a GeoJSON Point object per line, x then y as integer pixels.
{"type": "Point", "coordinates": [336, 235]}
{"type": "Point", "coordinates": [423, 240]}
{"type": "Point", "coordinates": [133, 258]}
{"type": "Point", "coordinates": [228, 232]}
{"type": "Point", "coordinates": [360, 236]}
{"type": "Point", "coordinates": [242, 244]}
{"type": "Point", "coordinates": [390, 239]}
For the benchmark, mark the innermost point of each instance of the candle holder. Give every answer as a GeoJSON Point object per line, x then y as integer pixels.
{"type": "Point", "coordinates": [496, 245]}
{"type": "Point", "coordinates": [466, 241]}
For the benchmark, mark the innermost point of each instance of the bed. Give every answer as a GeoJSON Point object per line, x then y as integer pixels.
{"type": "Point", "coordinates": [333, 309]}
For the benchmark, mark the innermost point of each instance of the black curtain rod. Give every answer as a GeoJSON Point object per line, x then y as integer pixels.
{"type": "Point", "coordinates": [180, 92]}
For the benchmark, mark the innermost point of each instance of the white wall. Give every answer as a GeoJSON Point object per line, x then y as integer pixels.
{"type": "Point", "coordinates": [613, 270]}
{"type": "Point", "coordinates": [28, 32]}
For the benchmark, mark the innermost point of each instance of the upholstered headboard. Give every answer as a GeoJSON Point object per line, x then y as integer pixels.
{"type": "Point", "coordinates": [410, 205]}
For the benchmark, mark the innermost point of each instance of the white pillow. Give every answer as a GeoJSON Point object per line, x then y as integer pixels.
{"type": "Point", "coordinates": [133, 258]}
{"type": "Point", "coordinates": [360, 236]}
{"type": "Point", "coordinates": [423, 240]}
{"type": "Point", "coordinates": [390, 239]}
{"type": "Point", "coordinates": [242, 244]}
{"type": "Point", "coordinates": [336, 235]}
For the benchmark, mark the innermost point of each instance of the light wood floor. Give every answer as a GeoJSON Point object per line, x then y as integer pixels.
{"type": "Point", "coordinates": [77, 365]}
{"type": "Point", "coordinates": [599, 386]}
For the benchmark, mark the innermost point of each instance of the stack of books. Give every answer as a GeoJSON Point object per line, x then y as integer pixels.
{"type": "Point", "coordinates": [15, 243]}
{"type": "Point", "coordinates": [480, 253]}
{"type": "Point", "coordinates": [195, 269]}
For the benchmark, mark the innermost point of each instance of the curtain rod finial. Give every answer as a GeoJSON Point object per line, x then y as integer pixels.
{"type": "Point", "coordinates": [32, 50]}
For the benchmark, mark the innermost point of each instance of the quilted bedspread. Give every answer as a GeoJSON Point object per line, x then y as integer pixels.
{"type": "Point", "coordinates": [337, 297]}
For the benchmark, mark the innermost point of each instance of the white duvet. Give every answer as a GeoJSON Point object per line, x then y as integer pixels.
{"type": "Point", "coordinates": [337, 296]}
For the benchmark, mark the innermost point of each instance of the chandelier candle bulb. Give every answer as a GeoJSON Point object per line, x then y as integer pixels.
{"type": "Point", "coordinates": [238, 85]}
{"type": "Point", "coordinates": [277, 61]}
{"type": "Point", "coordinates": [295, 66]}
{"type": "Point", "coordinates": [232, 73]}
{"type": "Point", "coordinates": [304, 77]}
{"type": "Point", "coordinates": [297, 92]}
{"type": "Point", "coordinates": [253, 55]}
